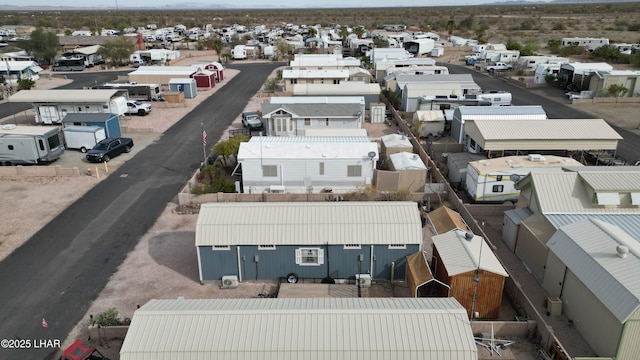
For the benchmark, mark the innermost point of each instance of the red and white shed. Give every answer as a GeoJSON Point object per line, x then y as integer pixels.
{"type": "Point", "coordinates": [205, 79]}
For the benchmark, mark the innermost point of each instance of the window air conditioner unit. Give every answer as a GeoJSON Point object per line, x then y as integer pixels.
{"type": "Point", "coordinates": [276, 189]}
{"type": "Point", "coordinates": [229, 282]}
{"type": "Point", "coordinates": [363, 280]}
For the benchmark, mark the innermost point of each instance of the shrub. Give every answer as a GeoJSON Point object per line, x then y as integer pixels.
{"type": "Point", "coordinates": [108, 317]}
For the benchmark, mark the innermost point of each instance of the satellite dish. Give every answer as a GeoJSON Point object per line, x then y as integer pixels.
{"type": "Point", "coordinates": [514, 177]}
{"type": "Point", "coordinates": [371, 154]}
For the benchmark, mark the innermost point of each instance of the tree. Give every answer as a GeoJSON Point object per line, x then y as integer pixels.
{"type": "Point", "coordinates": [344, 32]}
{"type": "Point", "coordinates": [616, 90]}
{"type": "Point", "coordinates": [43, 46]}
{"type": "Point", "coordinates": [312, 32]}
{"type": "Point", "coordinates": [217, 44]}
{"type": "Point", "coordinates": [359, 31]}
{"type": "Point", "coordinates": [229, 147]}
{"type": "Point", "coordinates": [283, 46]}
{"type": "Point", "coordinates": [451, 26]}
{"type": "Point", "coordinates": [117, 50]}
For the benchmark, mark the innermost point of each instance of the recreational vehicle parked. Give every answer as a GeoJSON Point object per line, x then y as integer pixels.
{"type": "Point", "coordinates": [83, 137]}
{"type": "Point", "coordinates": [29, 145]}
{"type": "Point", "coordinates": [239, 52]}
{"type": "Point", "coordinates": [144, 92]}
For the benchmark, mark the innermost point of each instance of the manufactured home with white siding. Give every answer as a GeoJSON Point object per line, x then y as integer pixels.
{"type": "Point", "coordinates": [311, 240]}
{"type": "Point", "coordinates": [293, 119]}
{"type": "Point", "coordinates": [307, 164]}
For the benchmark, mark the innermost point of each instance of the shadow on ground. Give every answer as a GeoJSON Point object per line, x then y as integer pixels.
{"type": "Point", "coordinates": [177, 251]}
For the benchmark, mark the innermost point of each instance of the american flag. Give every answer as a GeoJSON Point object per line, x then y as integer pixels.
{"type": "Point", "coordinates": [204, 137]}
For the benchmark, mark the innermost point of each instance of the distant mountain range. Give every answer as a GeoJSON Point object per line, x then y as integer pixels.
{"type": "Point", "coordinates": [218, 6]}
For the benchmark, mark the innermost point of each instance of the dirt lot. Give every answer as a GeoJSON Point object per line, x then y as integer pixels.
{"type": "Point", "coordinates": [163, 265]}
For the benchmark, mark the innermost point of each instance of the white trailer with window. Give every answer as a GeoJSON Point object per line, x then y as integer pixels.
{"type": "Point", "coordinates": [29, 145]}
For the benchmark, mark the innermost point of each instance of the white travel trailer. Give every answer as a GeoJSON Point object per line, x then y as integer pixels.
{"type": "Point", "coordinates": [493, 180]}
{"type": "Point", "coordinates": [239, 52]}
{"type": "Point", "coordinates": [497, 98]}
{"type": "Point", "coordinates": [83, 137]}
{"type": "Point", "coordinates": [542, 70]}
{"type": "Point", "coordinates": [29, 144]}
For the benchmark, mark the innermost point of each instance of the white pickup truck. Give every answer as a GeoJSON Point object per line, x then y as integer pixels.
{"type": "Point", "coordinates": [499, 66]}
{"type": "Point", "coordinates": [136, 107]}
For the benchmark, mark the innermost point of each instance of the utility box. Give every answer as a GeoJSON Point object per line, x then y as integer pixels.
{"type": "Point", "coordinates": [554, 306]}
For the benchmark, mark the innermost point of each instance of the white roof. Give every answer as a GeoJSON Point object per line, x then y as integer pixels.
{"type": "Point", "coordinates": [514, 112]}
{"type": "Point", "coordinates": [396, 140]}
{"type": "Point", "coordinates": [460, 254]}
{"type": "Point", "coordinates": [303, 223]}
{"type": "Point", "coordinates": [63, 95]}
{"type": "Point", "coordinates": [407, 161]}
{"type": "Point", "coordinates": [521, 164]}
{"type": "Point", "coordinates": [311, 148]}
{"type": "Point", "coordinates": [86, 50]}
{"type": "Point", "coordinates": [344, 88]}
{"type": "Point", "coordinates": [315, 74]}
{"type": "Point", "coordinates": [589, 249]}
{"type": "Point", "coordinates": [428, 115]}
{"type": "Point", "coordinates": [321, 328]}
{"type": "Point", "coordinates": [165, 70]}
{"type": "Point", "coordinates": [19, 65]}
{"type": "Point", "coordinates": [586, 68]}
{"type": "Point", "coordinates": [11, 129]}
{"type": "Point", "coordinates": [316, 100]}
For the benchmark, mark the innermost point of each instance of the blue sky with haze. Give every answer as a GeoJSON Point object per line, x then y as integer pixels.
{"type": "Point", "coordinates": [238, 3]}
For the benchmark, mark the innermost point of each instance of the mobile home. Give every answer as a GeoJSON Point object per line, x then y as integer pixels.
{"type": "Point", "coordinates": [29, 144]}
{"type": "Point", "coordinates": [51, 106]}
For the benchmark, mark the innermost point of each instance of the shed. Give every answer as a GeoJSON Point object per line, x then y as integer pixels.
{"type": "Point", "coordinates": [394, 143]}
{"type": "Point", "coordinates": [419, 277]}
{"type": "Point", "coordinates": [173, 97]}
{"type": "Point", "coordinates": [213, 66]}
{"type": "Point", "coordinates": [428, 122]}
{"type": "Point", "coordinates": [444, 219]}
{"type": "Point", "coordinates": [413, 172]}
{"type": "Point", "coordinates": [110, 122]}
{"type": "Point", "coordinates": [276, 329]}
{"type": "Point", "coordinates": [186, 86]}
{"type": "Point", "coordinates": [312, 240]}
{"type": "Point", "coordinates": [592, 267]}
{"type": "Point", "coordinates": [467, 264]}
{"type": "Point", "coordinates": [510, 225]}
{"type": "Point", "coordinates": [457, 164]}
{"type": "Point", "coordinates": [205, 79]}
{"type": "Point", "coordinates": [377, 113]}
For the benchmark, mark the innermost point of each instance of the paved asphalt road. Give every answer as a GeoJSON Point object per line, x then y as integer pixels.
{"type": "Point", "coordinates": [554, 103]}
{"type": "Point", "coordinates": [57, 273]}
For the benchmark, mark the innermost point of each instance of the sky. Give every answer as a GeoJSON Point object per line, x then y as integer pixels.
{"type": "Point", "coordinates": [248, 4]}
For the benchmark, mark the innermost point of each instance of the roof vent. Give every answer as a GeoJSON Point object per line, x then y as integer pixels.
{"type": "Point", "coordinates": [415, 156]}
{"type": "Point", "coordinates": [468, 236]}
{"type": "Point", "coordinates": [622, 251]}
{"type": "Point", "coordinates": [536, 157]}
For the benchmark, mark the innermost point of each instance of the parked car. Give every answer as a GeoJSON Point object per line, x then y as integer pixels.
{"type": "Point", "coordinates": [136, 107]}
{"type": "Point", "coordinates": [252, 121]}
{"type": "Point", "coordinates": [499, 66]}
{"type": "Point", "coordinates": [107, 149]}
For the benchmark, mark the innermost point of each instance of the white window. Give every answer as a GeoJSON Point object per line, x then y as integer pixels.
{"type": "Point", "coordinates": [220, 247]}
{"type": "Point", "coordinates": [352, 246]}
{"type": "Point", "coordinates": [266, 247]}
{"type": "Point", "coordinates": [397, 246]}
{"type": "Point", "coordinates": [354, 170]}
{"type": "Point", "coordinates": [269, 170]}
{"type": "Point", "coordinates": [309, 256]}
{"type": "Point", "coordinates": [282, 124]}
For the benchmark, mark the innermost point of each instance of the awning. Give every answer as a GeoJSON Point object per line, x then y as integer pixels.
{"type": "Point", "coordinates": [36, 69]}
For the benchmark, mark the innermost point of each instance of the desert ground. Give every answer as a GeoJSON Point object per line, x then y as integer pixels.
{"type": "Point", "coordinates": [155, 269]}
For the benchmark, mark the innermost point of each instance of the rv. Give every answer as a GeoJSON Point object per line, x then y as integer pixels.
{"type": "Point", "coordinates": [497, 98]}
{"type": "Point", "coordinates": [21, 145]}
{"type": "Point", "coordinates": [83, 137]}
{"type": "Point", "coordinates": [75, 63]}
{"type": "Point", "coordinates": [239, 52]}
{"type": "Point", "coordinates": [143, 92]}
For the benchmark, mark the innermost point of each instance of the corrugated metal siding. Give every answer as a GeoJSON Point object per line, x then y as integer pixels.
{"type": "Point", "coordinates": [629, 346]}
{"type": "Point", "coordinates": [530, 112]}
{"type": "Point", "coordinates": [600, 181]}
{"type": "Point", "coordinates": [588, 248]}
{"type": "Point", "coordinates": [550, 129]}
{"type": "Point", "coordinates": [281, 329]}
{"type": "Point", "coordinates": [334, 223]}
{"type": "Point", "coordinates": [63, 95]}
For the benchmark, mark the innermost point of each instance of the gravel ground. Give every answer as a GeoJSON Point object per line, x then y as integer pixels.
{"type": "Point", "coordinates": [164, 264]}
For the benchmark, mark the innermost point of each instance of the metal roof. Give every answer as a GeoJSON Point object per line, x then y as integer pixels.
{"type": "Point", "coordinates": [315, 74]}
{"type": "Point", "coordinates": [63, 95]}
{"type": "Point", "coordinates": [283, 329]}
{"type": "Point", "coordinates": [602, 181]}
{"type": "Point", "coordinates": [314, 110]}
{"type": "Point", "coordinates": [165, 70]}
{"type": "Point", "coordinates": [517, 215]}
{"type": "Point", "coordinates": [307, 150]}
{"type": "Point", "coordinates": [445, 219]}
{"type": "Point", "coordinates": [344, 88]}
{"type": "Point", "coordinates": [311, 139]}
{"type": "Point", "coordinates": [500, 112]}
{"type": "Point", "coordinates": [317, 100]}
{"type": "Point", "coordinates": [550, 129]}
{"type": "Point", "coordinates": [629, 223]}
{"type": "Point", "coordinates": [10, 129]}
{"type": "Point", "coordinates": [334, 223]}
{"type": "Point", "coordinates": [460, 254]}
{"type": "Point", "coordinates": [87, 117]}
{"type": "Point", "coordinates": [337, 132]}
{"type": "Point", "coordinates": [590, 250]}
{"type": "Point", "coordinates": [562, 193]}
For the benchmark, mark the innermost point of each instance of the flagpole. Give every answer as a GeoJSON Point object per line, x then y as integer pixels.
{"type": "Point", "coordinates": [204, 145]}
